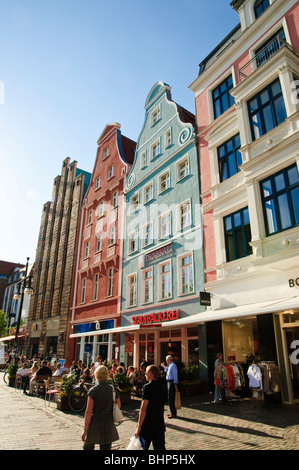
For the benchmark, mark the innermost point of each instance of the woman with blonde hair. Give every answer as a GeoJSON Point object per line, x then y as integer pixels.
{"type": "Point", "coordinates": [99, 427]}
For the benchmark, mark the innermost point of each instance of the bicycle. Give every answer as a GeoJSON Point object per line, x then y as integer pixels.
{"type": "Point", "coordinates": [78, 398]}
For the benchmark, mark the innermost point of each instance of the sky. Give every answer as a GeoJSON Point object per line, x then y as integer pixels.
{"type": "Point", "coordinates": [67, 69]}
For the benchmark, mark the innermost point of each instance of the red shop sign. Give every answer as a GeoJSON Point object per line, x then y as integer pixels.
{"type": "Point", "coordinates": [167, 315]}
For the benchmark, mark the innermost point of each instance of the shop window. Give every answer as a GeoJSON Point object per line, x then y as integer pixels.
{"type": "Point", "coordinates": [146, 348]}
{"type": "Point", "coordinates": [237, 235]}
{"type": "Point", "coordinates": [266, 110]}
{"type": "Point", "coordinates": [240, 339]}
{"type": "Point", "coordinates": [280, 199]}
{"type": "Point", "coordinates": [229, 158]}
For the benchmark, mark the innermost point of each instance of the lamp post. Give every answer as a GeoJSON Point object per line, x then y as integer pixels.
{"type": "Point", "coordinates": [24, 287]}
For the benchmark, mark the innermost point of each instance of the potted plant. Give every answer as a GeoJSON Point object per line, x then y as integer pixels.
{"type": "Point", "coordinates": [12, 372]}
{"type": "Point", "coordinates": [122, 383]}
{"type": "Point", "coordinates": [190, 381]}
{"type": "Point", "coordinates": [66, 387]}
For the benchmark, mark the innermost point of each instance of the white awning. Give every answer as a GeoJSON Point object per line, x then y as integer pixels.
{"type": "Point", "coordinates": [119, 329]}
{"type": "Point", "coordinates": [273, 306]}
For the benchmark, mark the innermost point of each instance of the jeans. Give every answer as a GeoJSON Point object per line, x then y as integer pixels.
{"type": "Point", "coordinates": [217, 394]}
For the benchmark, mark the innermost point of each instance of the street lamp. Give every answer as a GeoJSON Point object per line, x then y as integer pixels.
{"type": "Point", "coordinates": [24, 287]}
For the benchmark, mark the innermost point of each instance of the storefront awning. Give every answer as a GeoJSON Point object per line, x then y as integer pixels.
{"type": "Point", "coordinates": [273, 306]}
{"type": "Point", "coordinates": [119, 329]}
{"type": "Point", "coordinates": [9, 338]}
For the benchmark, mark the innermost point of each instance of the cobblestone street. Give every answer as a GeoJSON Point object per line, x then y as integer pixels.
{"type": "Point", "coordinates": [29, 423]}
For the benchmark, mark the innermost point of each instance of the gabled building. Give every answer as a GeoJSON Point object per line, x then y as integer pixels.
{"type": "Point", "coordinates": [163, 245]}
{"type": "Point", "coordinates": [95, 309]}
{"type": "Point", "coordinates": [48, 317]}
{"type": "Point", "coordinates": [247, 111]}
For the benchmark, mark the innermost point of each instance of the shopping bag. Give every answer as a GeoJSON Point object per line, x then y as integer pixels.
{"type": "Point", "coordinates": [136, 443]}
{"type": "Point", "coordinates": [177, 402]}
{"type": "Point", "coordinates": [117, 414]}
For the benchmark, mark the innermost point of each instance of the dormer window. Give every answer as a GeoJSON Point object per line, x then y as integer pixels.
{"type": "Point", "coordinates": [260, 6]}
{"type": "Point", "coordinates": [156, 116]}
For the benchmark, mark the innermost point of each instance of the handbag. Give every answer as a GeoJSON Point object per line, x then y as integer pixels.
{"type": "Point", "coordinates": [117, 414]}
{"type": "Point", "coordinates": [177, 402]}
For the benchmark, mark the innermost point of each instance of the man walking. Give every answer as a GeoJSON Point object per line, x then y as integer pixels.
{"type": "Point", "coordinates": [172, 383]}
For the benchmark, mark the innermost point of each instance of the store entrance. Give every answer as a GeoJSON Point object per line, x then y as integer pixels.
{"type": "Point", "coordinates": [292, 344]}
{"type": "Point", "coordinates": [172, 348]}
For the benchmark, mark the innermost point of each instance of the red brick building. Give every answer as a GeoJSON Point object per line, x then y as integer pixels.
{"type": "Point", "coordinates": [97, 283]}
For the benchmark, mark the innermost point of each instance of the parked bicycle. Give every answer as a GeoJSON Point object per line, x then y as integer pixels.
{"type": "Point", "coordinates": [78, 397]}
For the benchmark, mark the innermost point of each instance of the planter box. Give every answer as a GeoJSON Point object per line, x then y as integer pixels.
{"type": "Point", "coordinates": [63, 403]}
{"type": "Point", "coordinates": [192, 389]}
{"type": "Point", "coordinates": [125, 397]}
{"type": "Point", "coordinates": [11, 381]}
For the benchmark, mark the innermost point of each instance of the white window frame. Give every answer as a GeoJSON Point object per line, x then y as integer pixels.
{"type": "Point", "coordinates": [86, 250]}
{"type": "Point", "coordinates": [181, 268]}
{"type": "Point", "coordinates": [98, 183]}
{"type": "Point", "coordinates": [106, 153]}
{"type": "Point", "coordinates": [83, 290]}
{"type": "Point", "coordinates": [160, 279]}
{"type": "Point", "coordinates": [96, 281]}
{"type": "Point", "coordinates": [134, 206]}
{"type": "Point", "coordinates": [147, 199]}
{"type": "Point", "coordinates": [146, 232]}
{"type": "Point", "coordinates": [112, 238]}
{"type": "Point", "coordinates": [166, 235]}
{"type": "Point", "coordinates": [115, 200]}
{"type": "Point", "coordinates": [168, 137]}
{"type": "Point", "coordinates": [99, 243]}
{"type": "Point", "coordinates": [132, 289]}
{"type": "Point", "coordinates": [89, 217]}
{"type": "Point", "coordinates": [147, 281]}
{"type": "Point", "coordinates": [182, 161]}
{"type": "Point", "coordinates": [156, 115]}
{"type": "Point", "coordinates": [156, 149]}
{"type": "Point", "coordinates": [143, 159]}
{"type": "Point", "coordinates": [133, 238]}
{"type": "Point", "coordinates": [110, 280]}
{"type": "Point", "coordinates": [166, 172]}
{"type": "Point", "coordinates": [110, 172]}
{"type": "Point", "coordinates": [101, 209]}
{"type": "Point", "coordinates": [180, 215]}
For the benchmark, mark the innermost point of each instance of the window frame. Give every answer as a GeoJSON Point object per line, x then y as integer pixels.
{"type": "Point", "coordinates": [96, 281]}
{"type": "Point", "coordinates": [167, 235]}
{"type": "Point", "coordinates": [180, 274]}
{"type": "Point", "coordinates": [161, 275]}
{"type": "Point", "coordinates": [220, 98]}
{"type": "Point", "coordinates": [130, 285]}
{"type": "Point", "coordinates": [233, 232]}
{"type": "Point", "coordinates": [144, 284]}
{"type": "Point", "coordinates": [180, 215]}
{"type": "Point", "coordinates": [235, 150]}
{"type": "Point", "coordinates": [110, 282]}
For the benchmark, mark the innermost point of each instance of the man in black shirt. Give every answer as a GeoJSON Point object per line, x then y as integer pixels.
{"type": "Point", "coordinates": [43, 370]}
{"type": "Point", "coordinates": [151, 426]}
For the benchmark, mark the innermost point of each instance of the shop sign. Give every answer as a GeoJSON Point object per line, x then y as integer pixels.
{"type": "Point", "coordinates": [205, 298]}
{"type": "Point", "coordinates": [91, 327]}
{"type": "Point", "coordinates": [294, 282]}
{"type": "Point", "coordinates": [157, 254]}
{"type": "Point", "coordinates": [167, 315]}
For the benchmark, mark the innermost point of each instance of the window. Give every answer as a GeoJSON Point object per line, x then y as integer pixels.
{"type": "Point", "coordinates": [147, 285]}
{"type": "Point", "coordinates": [269, 48]}
{"type": "Point", "coordinates": [260, 6]}
{"type": "Point", "coordinates": [101, 209]}
{"type": "Point", "coordinates": [184, 215]}
{"type": "Point", "coordinates": [134, 203]}
{"type": "Point", "coordinates": [164, 181]}
{"type": "Point", "coordinates": [183, 168]}
{"type": "Point", "coordinates": [110, 282]}
{"type": "Point", "coordinates": [165, 225]}
{"type": "Point", "coordinates": [237, 235]}
{"type": "Point", "coordinates": [222, 99]}
{"type": "Point", "coordinates": [280, 199]}
{"type": "Point", "coordinates": [89, 219]}
{"type": "Point", "coordinates": [96, 287]}
{"type": "Point", "coordinates": [112, 240]}
{"type": "Point", "coordinates": [168, 138]}
{"type": "Point", "coordinates": [156, 149]}
{"type": "Point", "coordinates": [99, 243]}
{"type": "Point", "coordinates": [86, 250]}
{"type": "Point", "coordinates": [132, 284]}
{"type": "Point", "coordinates": [186, 280]}
{"type": "Point", "coordinates": [148, 234]}
{"type": "Point", "coordinates": [148, 193]}
{"type": "Point", "coordinates": [98, 182]}
{"type": "Point", "coordinates": [83, 290]}
{"type": "Point", "coordinates": [133, 242]}
{"type": "Point", "coordinates": [229, 158]}
{"type": "Point", "coordinates": [143, 160]}
{"type": "Point", "coordinates": [106, 153]}
{"type": "Point", "coordinates": [115, 200]}
{"type": "Point", "coordinates": [165, 280]}
{"type": "Point", "coordinates": [110, 172]}
{"type": "Point", "coordinates": [266, 110]}
{"type": "Point", "coordinates": [156, 116]}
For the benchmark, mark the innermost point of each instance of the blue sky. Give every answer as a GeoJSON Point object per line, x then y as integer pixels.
{"type": "Point", "coordinates": [67, 68]}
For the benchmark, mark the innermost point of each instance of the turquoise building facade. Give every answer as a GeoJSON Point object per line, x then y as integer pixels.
{"type": "Point", "coordinates": [163, 269]}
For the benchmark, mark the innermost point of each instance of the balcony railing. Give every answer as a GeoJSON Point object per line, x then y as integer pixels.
{"type": "Point", "coordinates": [262, 56]}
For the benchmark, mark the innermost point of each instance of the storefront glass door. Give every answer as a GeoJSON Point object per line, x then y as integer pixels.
{"type": "Point", "coordinates": [292, 344]}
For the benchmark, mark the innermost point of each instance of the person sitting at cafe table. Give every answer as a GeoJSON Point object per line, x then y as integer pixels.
{"type": "Point", "coordinates": [86, 377]}
{"type": "Point", "coordinates": [44, 370]}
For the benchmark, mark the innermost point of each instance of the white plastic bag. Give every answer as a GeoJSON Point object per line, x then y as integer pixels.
{"type": "Point", "coordinates": [135, 444]}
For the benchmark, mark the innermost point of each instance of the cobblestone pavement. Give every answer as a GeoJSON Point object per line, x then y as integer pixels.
{"type": "Point", "coordinates": [30, 423]}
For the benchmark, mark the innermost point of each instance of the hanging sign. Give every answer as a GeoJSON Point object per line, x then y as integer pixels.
{"type": "Point", "coordinates": [205, 298]}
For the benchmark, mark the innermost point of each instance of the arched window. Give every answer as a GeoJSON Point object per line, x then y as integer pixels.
{"type": "Point", "coordinates": [260, 6]}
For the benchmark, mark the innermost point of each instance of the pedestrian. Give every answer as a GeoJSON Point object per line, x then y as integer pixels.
{"type": "Point", "coordinates": [24, 373]}
{"type": "Point", "coordinates": [172, 383]}
{"type": "Point", "coordinates": [151, 426]}
{"type": "Point", "coordinates": [217, 393]}
{"type": "Point", "coordinates": [99, 427]}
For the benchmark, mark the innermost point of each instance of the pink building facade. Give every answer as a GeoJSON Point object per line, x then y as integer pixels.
{"type": "Point", "coordinates": [247, 110]}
